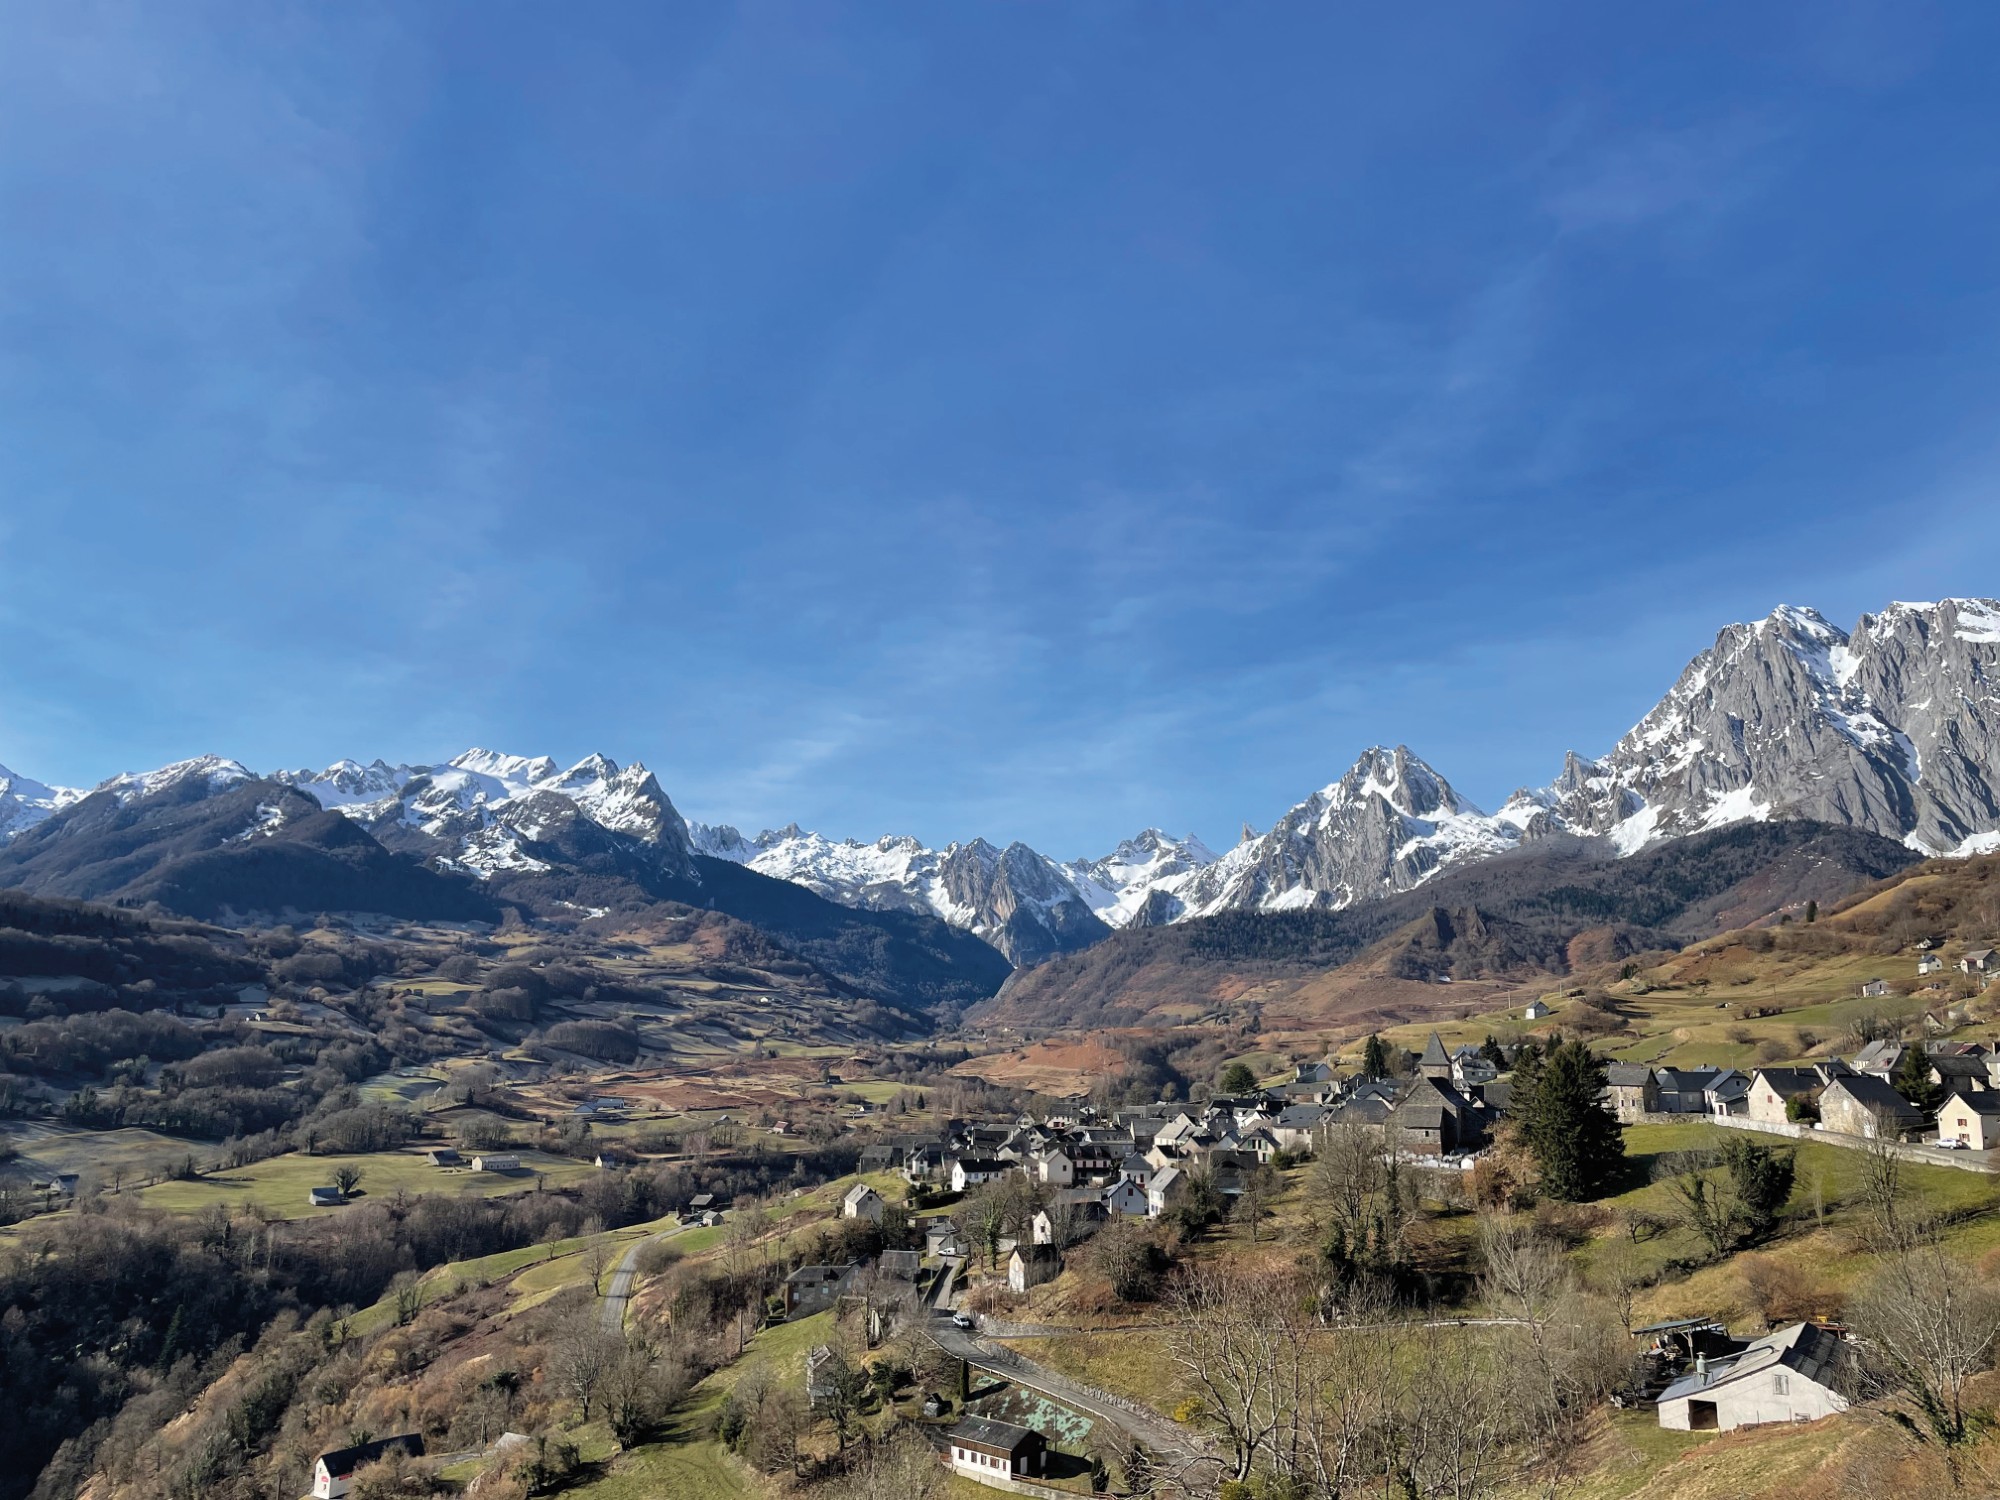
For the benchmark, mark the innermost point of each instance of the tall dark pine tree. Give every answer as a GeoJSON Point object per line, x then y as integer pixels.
{"type": "Point", "coordinates": [1374, 1058]}
{"type": "Point", "coordinates": [1913, 1080]}
{"type": "Point", "coordinates": [1559, 1110]}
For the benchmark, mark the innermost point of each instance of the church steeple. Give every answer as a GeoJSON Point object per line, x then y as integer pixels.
{"type": "Point", "coordinates": [1435, 1063]}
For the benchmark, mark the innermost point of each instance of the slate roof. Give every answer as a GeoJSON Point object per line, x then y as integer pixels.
{"type": "Point", "coordinates": [1789, 1080]}
{"type": "Point", "coordinates": [344, 1461]}
{"type": "Point", "coordinates": [1959, 1066]}
{"type": "Point", "coordinates": [996, 1437]}
{"type": "Point", "coordinates": [1979, 1101]}
{"type": "Point", "coordinates": [1628, 1075]}
{"type": "Point", "coordinates": [1807, 1350]}
{"type": "Point", "coordinates": [1872, 1093]}
{"type": "Point", "coordinates": [1434, 1054]}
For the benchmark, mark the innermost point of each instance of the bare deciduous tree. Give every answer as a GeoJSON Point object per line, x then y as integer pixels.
{"type": "Point", "coordinates": [580, 1357]}
{"type": "Point", "coordinates": [1930, 1326]}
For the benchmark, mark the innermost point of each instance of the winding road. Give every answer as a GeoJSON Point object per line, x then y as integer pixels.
{"type": "Point", "coordinates": [1168, 1441]}
{"type": "Point", "coordinates": [618, 1295]}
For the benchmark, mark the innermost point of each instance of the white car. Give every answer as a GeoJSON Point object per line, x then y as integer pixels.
{"type": "Point", "coordinates": [960, 1320]}
{"type": "Point", "coordinates": [1951, 1143]}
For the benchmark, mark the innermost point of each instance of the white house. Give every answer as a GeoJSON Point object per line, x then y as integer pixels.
{"type": "Point", "coordinates": [1164, 1189]}
{"type": "Point", "coordinates": [971, 1171]}
{"type": "Point", "coordinates": [496, 1163]}
{"type": "Point", "coordinates": [1126, 1197]}
{"type": "Point", "coordinates": [1793, 1375]}
{"type": "Point", "coordinates": [1031, 1265]}
{"type": "Point", "coordinates": [996, 1453]}
{"type": "Point", "coordinates": [1971, 1116]}
{"type": "Point", "coordinates": [863, 1202]}
{"type": "Point", "coordinates": [1056, 1169]}
{"type": "Point", "coordinates": [333, 1473]}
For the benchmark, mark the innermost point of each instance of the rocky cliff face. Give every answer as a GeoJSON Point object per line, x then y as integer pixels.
{"type": "Point", "coordinates": [1388, 825]}
{"type": "Point", "coordinates": [484, 813]}
{"type": "Point", "coordinates": [1895, 729]}
{"type": "Point", "coordinates": [1016, 899]}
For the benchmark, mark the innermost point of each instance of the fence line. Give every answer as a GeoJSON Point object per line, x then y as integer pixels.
{"type": "Point", "coordinates": [1930, 1156]}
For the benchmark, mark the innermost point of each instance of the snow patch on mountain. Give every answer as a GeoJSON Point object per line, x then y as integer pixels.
{"type": "Point", "coordinates": [24, 802]}
{"type": "Point", "coordinates": [214, 771]}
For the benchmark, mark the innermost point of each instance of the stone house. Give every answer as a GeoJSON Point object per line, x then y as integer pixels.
{"type": "Point", "coordinates": [1867, 1107]}
{"type": "Point", "coordinates": [1630, 1090]}
{"type": "Point", "coordinates": [863, 1202]}
{"type": "Point", "coordinates": [1772, 1088]}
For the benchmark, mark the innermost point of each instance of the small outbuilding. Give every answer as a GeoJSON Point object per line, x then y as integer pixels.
{"type": "Point", "coordinates": [1031, 1265]}
{"type": "Point", "coordinates": [991, 1452]}
{"type": "Point", "coordinates": [325, 1197]}
{"type": "Point", "coordinates": [333, 1472]}
{"type": "Point", "coordinates": [1793, 1375]}
{"type": "Point", "coordinates": [863, 1202]}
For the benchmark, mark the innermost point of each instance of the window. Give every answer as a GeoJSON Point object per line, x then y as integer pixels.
{"type": "Point", "coordinates": [1780, 1384]}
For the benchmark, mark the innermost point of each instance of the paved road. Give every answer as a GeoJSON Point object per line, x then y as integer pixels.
{"type": "Point", "coordinates": [618, 1295]}
{"type": "Point", "coordinates": [1170, 1443]}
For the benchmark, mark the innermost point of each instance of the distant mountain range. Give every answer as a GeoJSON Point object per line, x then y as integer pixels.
{"type": "Point", "coordinates": [1893, 729]}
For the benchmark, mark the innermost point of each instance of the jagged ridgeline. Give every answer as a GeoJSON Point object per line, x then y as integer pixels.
{"type": "Point", "coordinates": [1893, 729]}
{"type": "Point", "coordinates": [1525, 912]}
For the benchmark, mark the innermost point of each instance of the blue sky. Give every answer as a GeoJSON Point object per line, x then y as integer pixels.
{"type": "Point", "coordinates": [1029, 421]}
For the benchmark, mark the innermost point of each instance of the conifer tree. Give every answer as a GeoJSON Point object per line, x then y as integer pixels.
{"type": "Point", "coordinates": [1375, 1058]}
{"type": "Point", "coordinates": [1913, 1081]}
{"type": "Point", "coordinates": [1558, 1109]}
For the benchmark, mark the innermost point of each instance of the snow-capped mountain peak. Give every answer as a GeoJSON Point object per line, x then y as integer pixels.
{"type": "Point", "coordinates": [515, 772]}
{"type": "Point", "coordinates": [214, 771]}
{"type": "Point", "coordinates": [24, 802]}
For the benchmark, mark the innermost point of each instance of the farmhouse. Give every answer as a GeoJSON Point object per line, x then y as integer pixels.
{"type": "Point", "coordinates": [1979, 961]}
{"type": "Point", "coordinates": [988, 1451]}
{"type": "Point", "coordinates": [1792, 1375]}
{"type": "Point", "coordinates": [1630, 1090]}
{"type": "Point", "coordinates": [863, 1202]}
{"type": "Point", "coordinates": [1772, 1088]}
{"type": "Point", "coordinates": [1866, 1107]}
{"type": "Point", "coordinates": [812, 1289]}
{"type": "Point", "coordinates": [333, 1472]}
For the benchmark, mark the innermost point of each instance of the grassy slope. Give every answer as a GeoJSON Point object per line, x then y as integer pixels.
{"type": "Point", "coordinates": [280, 1184]}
